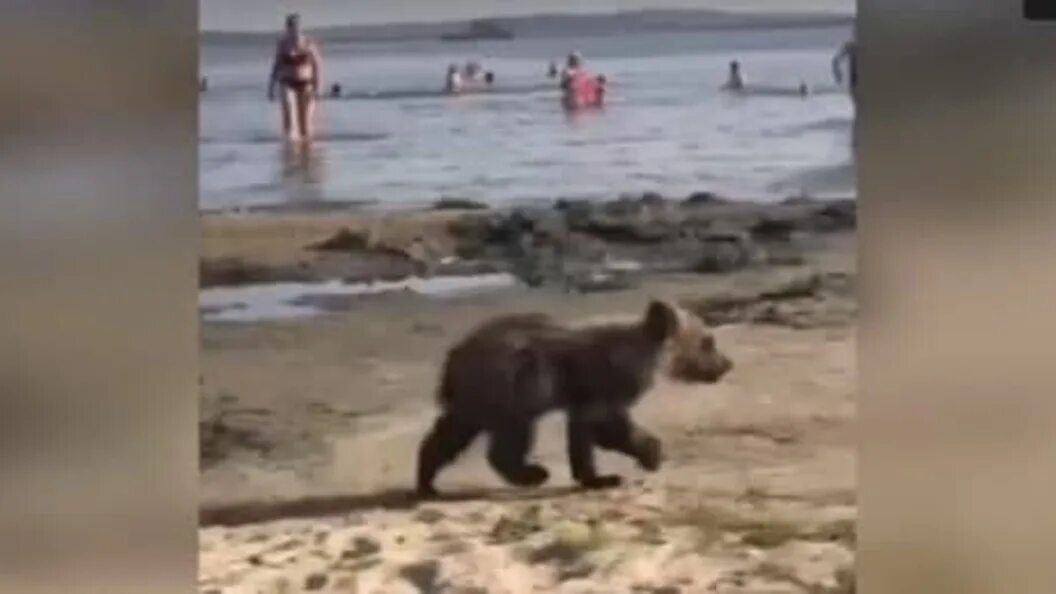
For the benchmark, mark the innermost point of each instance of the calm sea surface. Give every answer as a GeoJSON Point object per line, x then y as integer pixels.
{"type": "Point", "coordinates": [666, 128]}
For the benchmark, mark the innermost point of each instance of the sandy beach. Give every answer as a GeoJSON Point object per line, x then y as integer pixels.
{"type": "Point", "coordinates": [310, 424]}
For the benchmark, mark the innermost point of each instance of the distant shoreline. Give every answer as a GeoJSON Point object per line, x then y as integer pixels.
{"type": "Point", "coordinates": [557, 25]}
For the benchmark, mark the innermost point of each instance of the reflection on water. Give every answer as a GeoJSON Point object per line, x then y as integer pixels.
{"type": "Point", "coordinates": [279, 301]}
{"type": "Point", "coordinates": [302, 171]}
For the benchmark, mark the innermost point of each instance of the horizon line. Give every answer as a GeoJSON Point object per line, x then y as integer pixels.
{"type": "Point", "coordinates": [761, 15]}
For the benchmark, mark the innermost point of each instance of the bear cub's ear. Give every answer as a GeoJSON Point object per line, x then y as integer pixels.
{"type": "Point", "coordinates": [661, 321]}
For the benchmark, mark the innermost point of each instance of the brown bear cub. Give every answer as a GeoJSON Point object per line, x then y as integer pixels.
{"type": "Point", "coordinates": [511, 370]}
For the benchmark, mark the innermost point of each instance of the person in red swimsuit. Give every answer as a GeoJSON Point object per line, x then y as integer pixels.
{"type": "Point", "coordinates": [297, 69]}
{"type": "Point", "coordinates": [579, 87]}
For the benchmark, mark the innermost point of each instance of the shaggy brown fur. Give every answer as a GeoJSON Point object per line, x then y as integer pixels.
{"type": "Point", "coordinates": [511, 370]}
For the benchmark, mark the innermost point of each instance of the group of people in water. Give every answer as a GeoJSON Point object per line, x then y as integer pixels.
{"type": "Point", "coordinates": [735, 81]}
{"type": "Point", "coordinates": [579, 88]}
{"type": "Point", "coordinates": [471, 77]}
{"type": "Point", "coordinates": [296, 72]}
{"type": "Point", "coordinates": [848, 53]}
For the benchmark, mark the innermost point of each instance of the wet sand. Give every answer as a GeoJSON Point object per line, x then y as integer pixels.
{"type": "Point", "coordinates": [310, 425]}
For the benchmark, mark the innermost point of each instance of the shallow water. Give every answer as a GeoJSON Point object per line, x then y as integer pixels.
{"type": "Point", "coordinates": [667, 127]}
{"type": "Point", "coordinates": [278, 301]}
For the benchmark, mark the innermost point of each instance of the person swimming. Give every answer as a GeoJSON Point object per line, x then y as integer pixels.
{"type": "Point", "coordinates": [335, 91]}
{"type": "Point", "coordinates": [297, 68]}
{"type": "Point", "coordinates": [489, 78]}
{"type": "Point", "coordinates": [734, 80]}
{"type": "Point", "coordinates": [552, 71]}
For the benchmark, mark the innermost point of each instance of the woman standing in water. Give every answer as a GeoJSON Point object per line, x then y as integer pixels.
{"type": "Point", "coordinates": [848, 52]}
{"type": "Point", "coordinates": [297, 69]}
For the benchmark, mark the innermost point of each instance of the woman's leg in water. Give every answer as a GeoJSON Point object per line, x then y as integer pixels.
{"type": "Point", "coordinates": [306, 113]}
{"type": "Point", "coordinates": [290, 128]}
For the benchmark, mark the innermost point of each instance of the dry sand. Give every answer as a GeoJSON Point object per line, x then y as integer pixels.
{"type": "Point", "coordinates": [310, 429]}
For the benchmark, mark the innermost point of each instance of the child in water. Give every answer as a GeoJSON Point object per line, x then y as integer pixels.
{"type": "Point", "coordinates": [734, 81]}
{"type": "Point", "coordinates": [453, 82]}
{"type": "Point", "coordinates": [600, 94]}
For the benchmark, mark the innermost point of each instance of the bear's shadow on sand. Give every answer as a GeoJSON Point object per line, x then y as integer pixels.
{"type": "Point", "coordinates": [251, 512]}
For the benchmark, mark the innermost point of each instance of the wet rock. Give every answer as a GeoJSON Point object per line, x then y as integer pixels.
{"type": "Point", "coordinates": [836, 216]}
{"type": "Point", "coordinates": [623, 206]}
{"type": "Point", "coordinates": [773, 229]}
{"type": "Point", "coordinates": [472, 228]}
{"type": "Point", "coordinates": [652, 199]}
{"type": "Point", "coordinates": [378, 258]}
{"type": "Point", "coordinates": [784, 255]}
{"type": "Point", "coordinates": [726, 251]}
{"type": "Point", "coordinates": [624, 231]}
{"type": "Point", "coordinates": [344, 240]}
{"type": "Point", "coordinates": [544, 224]}
{"type": "Point", "coordinates": [799, 199]}
{"type": "Point", "coordinates": [625, 221]}
{"type": "Point", "coordinates": [448, 203]}
{"type": "Point", "coordinates": [576, 212]}
{"type": "Point", "coordinates": [227, 272]}
{"type": "Point", "coordinates": [701, 198]}
{"type": "Point", "coordinates": [477, 235]}
{"type": "Point", "coordinates": [569, 204]}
